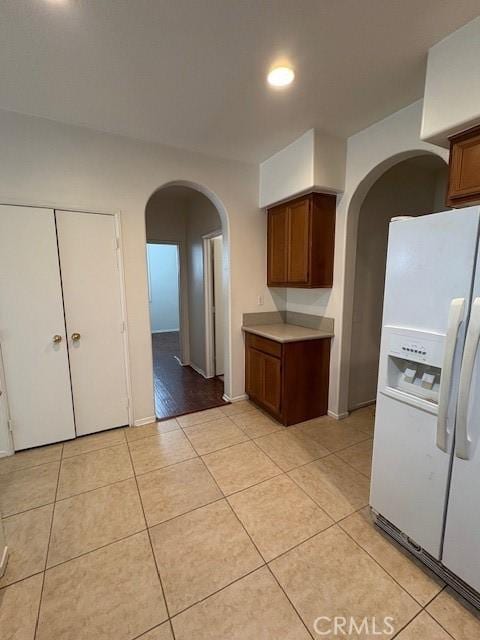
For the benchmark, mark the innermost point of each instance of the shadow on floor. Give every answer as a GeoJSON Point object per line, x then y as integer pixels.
{"type": "Point", "coordinates": [178, 389]}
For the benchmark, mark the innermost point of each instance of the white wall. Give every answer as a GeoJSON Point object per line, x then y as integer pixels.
{"type": "Point", "coordinates": [315, 161]}
{"type": "Point", "coordinates": [202, 220]}
{"type": "Point", "coordinates": [409, 188]}
{"type": "Point", "coordinates": [44, 162]}
{"type": "Point", "coordinates": [452, 86]}
{"type": "Point", "coordinates": [370, 153]}
{"type": "Point", "coordinates": [163, 271]}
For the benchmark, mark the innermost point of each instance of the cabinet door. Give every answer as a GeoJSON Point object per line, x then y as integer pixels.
{"type": "Point", "coordinates": [94, 319]}
{"type": "Point", "coordinates": [255, 374]}
{"type": "Point", "coordinates": [32, 328]}
{"type": "Point", "coordinates": [272, 384]}
{"type": "Point", "coordinates": [464, 169]}
{"type": "Point", "coordinates": [277, 245]}
{"type": "Point", "coordinates": [298, 242]}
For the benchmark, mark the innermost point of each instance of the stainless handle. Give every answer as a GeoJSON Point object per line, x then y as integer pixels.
{"type": "Point", "coordinates": [76, 337]}
{"type": "Point", "coordinates": [455, 317]}
{"type": "Point", "coordinates": [463, 442]}
{"type": "Point", "coordinates": [56, 339]}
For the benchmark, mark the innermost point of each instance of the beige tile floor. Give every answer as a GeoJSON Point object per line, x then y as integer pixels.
{"type": "Point", "coordinates": [220, 525]}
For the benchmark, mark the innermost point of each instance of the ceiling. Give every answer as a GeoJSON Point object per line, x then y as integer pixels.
{"type": "Point", "coordinates": [191, 73]}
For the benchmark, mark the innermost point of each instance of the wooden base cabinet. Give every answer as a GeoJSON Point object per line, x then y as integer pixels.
{"type": "Point", "coordinates": [288, 380]}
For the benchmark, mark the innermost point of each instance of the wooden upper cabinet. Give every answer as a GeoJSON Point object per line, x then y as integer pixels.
{"type": "Point", "coordinates": [298, 242]}
{"type": "Point", "coordinates": [464, 169]}
{"type": "Point", "coordinates": [301, 237]}
{"type": "Point", "coordinates": [277, 245]}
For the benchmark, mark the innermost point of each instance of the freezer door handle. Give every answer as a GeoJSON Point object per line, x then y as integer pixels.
{"type": "Point", "coordinates": [455, 318]}
{"type": "Point", "coordinates": [463, 442]}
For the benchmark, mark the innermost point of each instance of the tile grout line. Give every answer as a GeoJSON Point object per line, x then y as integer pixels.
{"type": "Point", "coordinates": [387, 572]}
{"type": "Point", "coordinates": [287, 597]}
{"type": "Point", "coordinates": [433, 617]}
{"type": "Point", "coordinates": [217, 591]}
{"type": "Point", "coordinates": [40, 600]}
{"type": "Point", "coordinates": [255, 546]}
{"type": "Point", "coordinates": [62, 457]}
{"type": "Point", "coordinates": [150, 542]}
{"type": "Point", "coordinates": [249, 438]}
{"type": "Point", "coordinates": [286, 473]}
{"type": "Point", "coordinates": [407, 624]}
{"type": "Point", "coordinates": [266, 564]}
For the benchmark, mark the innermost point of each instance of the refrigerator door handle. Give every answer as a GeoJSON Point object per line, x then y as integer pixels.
{"type": "Point", "coordinates": [463, 442]}
{"type": "Point", "coordinates": [455, 318]}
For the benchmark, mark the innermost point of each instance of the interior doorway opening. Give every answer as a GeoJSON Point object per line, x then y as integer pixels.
{"type": "Point", "coordinates": [412, 187]}
{"type": "Point", "coordinates": [187, 279]}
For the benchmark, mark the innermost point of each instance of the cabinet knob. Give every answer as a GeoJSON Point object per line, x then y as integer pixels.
{"type": "Point", "coordinates": [56, 339]}
{"type": "Point", "coordinates": [76, 337]}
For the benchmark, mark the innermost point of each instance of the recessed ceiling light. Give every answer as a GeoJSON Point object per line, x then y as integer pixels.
{"type": "Point", "coordinates": [281, 76]}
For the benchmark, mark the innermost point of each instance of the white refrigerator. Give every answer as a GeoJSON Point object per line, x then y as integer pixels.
{"type": "Point", "coordinates": [425, 486]}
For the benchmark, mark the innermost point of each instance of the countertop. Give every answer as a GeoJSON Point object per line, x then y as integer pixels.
{"type": "Point", "coordinates": [283, 332]}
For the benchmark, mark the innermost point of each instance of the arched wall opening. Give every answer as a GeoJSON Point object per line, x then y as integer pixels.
{"type": "Point", "coordinates": [187, 215]}
{"type": "Point", "coordinates": [412, 183]}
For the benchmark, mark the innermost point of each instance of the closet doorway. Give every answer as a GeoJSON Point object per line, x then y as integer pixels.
{"type": "Point", "coordinates": [62, 324]}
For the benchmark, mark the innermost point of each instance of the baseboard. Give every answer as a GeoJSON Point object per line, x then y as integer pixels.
{"type": "Point", "coordinates": [360, 405]}
{"type": "Point", "coordinates": [141, 421]}
{"type": "Point", "coordinates": [338, 416]}
{"type": "Point", "coordinates": [3, 560]}
{"type": "Point", "coordinates": [167, 331]}
{"type": "Point", "coordinates": [200, 371]}
{"type": "Point", "coordinates": [234, 399]}
{"type": "Point", "coordinates": [4, 453]}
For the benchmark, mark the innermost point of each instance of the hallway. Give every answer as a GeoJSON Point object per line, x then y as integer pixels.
{"type": "Point", "coordinates": [179, 390]}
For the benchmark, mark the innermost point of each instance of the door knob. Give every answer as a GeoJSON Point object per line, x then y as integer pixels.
{"type": "Point", "coordinates": [56, 339]}
{"type": "Point", "coordinates": [76, 337]}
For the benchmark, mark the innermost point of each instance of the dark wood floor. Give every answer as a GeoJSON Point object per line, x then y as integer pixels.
{"type": "Point", "coordinates": [178, 389]}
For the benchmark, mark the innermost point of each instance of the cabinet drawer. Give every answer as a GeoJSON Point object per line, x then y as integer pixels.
{"type": "Point", "coordinates": [264, 344]}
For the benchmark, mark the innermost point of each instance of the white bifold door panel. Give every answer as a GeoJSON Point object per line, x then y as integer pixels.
{"type": "Point", "coordinates": [32, 328]}
{"type": "Point", "coordinates": [430, 266]}
{"type": "Point", "coordinates": [93, 311]}
{"type": "Point", "coordinates": [461, 551]}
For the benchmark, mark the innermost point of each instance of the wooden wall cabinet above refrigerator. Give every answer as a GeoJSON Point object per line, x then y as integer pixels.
{"type": "Point", "coordinates": [464, 169]}
{"type": "Point", "coordinates": [300, 242]}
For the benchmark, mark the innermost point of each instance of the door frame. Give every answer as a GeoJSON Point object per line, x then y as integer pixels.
{"type": "Point", "coordinates": [208, 297]}
{"type": "Point", "coordinates": [184, 328]}
{"type": "Point", "coordinates": [58, 206]}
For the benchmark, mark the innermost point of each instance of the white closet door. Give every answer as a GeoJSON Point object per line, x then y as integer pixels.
{"type": "Point", "coordinates": [31, 315]}
{"type": "Point", "coordinates": [93, 310]}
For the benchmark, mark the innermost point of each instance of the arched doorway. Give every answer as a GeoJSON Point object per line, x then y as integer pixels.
{"type": "Point", "coordinates": [410, 186]}
{"type": "Point", "coordinates": [188, 275]}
